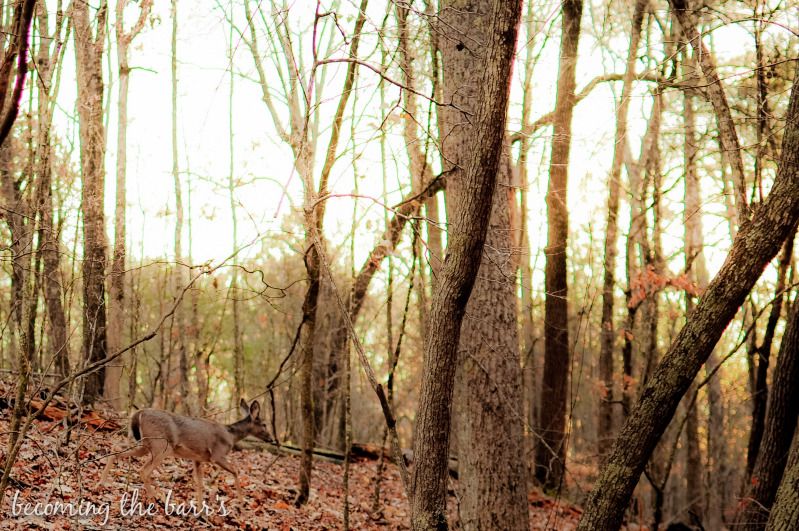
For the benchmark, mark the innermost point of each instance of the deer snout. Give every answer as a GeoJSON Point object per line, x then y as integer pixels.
{"type": "Point", "coordinates": [262, 433]}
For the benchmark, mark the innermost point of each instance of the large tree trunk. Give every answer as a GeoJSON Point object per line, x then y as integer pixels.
{"type": "Point", "coordinates": [757, 242]}
{"type": "Point", "coordinates": [784, 515]}
{"type": "Point", "coordinates": [488, 388]}
{"type": "Point", "coordinates": [606, 372]}
{"type": "Point", "coordinates": [488, 377]}
{"type": "Point", "coordinates": [781, 417]}
{"type": "Point", "coordinates": [89, 52]}
{"type": "Point", "coordinates": [551, 450]}
{"type": "Point", "coordinates": [458, 273]}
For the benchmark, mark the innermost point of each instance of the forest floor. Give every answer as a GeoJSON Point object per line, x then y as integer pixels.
{"type": "Point", "coordinates": [52, 469]}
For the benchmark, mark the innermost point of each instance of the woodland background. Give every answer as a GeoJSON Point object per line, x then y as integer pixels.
{"type": "Point", "coordinates": [303, 202]}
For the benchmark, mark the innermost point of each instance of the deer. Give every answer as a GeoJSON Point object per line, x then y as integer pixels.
{"type": "Point", "coordinates": [161, 433]}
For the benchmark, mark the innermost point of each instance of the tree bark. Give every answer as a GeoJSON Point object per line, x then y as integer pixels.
{"type": "Point", "coordinates": [693, 463]}
{"type": "Point", "coordinates": [784, 515]}
{"type": "Point", "coordinates": [17, 51]}
{"type": "Point", "coordinates": [780, 424]}
{"type": "Point", "coordinates": [551, 450]}
{"type": "Point", "coordinates": [116, 285]}
{"type": "Point", "coordinates": [757, 242]}
{"type": "Point", "coordinates": [487, 387]}
{"type": "Point", "coordinates": [458, 273]}
{"type": "Point", "coordinates": [89, 46]}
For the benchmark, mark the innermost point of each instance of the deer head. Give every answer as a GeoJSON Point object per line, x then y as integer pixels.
{"type": "Point", "coordinates": [251, 424]}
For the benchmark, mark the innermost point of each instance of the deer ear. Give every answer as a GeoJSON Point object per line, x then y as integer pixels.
{"type": "Point", "coordinates": [244, 408]}
{"type": "Point", "coordinates": [255, 409]}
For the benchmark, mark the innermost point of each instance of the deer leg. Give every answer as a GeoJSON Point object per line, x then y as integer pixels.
{"type": "Point", "coordinates": [136, 451]}
{"type": "Point", "coordinates": [198, 484]}
{"type": "Point", "coordinates": [158, 451]}
{"type": "Point", "coordinates": [221, 461]}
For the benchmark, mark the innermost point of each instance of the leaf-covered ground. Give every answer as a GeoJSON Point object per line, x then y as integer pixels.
{"type": "Point", "coordinates": [52, 469]}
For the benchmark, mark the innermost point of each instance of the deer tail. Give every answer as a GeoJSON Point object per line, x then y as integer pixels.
{"type": "Point", "coordinates": [135, 432]}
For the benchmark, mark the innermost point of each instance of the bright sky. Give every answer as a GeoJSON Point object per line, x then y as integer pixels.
{"type": "Point", "coordinates": [263, 165]}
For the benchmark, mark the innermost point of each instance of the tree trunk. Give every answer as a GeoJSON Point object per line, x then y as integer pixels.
{"type": "Point", "coordinates": [238, 345]}
{"type": "Point", "coordinates": [458, 273]}
{"type": "Point", "coordinates": [695, 268]}
{"type": "Point", "coordinates": [314, 220]}
{"type": "Point", "coordinates": [89, 53]}
{"type": "Point", "coordinates": [488, 374]}
{"type": "Point", "coordinates": [784, 515]}
{"type": "Point", "coordinates": [693, 462]}
{"type": "Point", "coordinates": [638, 249]}
{"type": "Point", "coordinates": [759, 388]}
{"type": "Point", "coordinates": [17, 51]}
{"type": "Point", "coordinates": [781, 417]}
{"type": "Point", "coordinates": [551, 451]}
{"type": "Point", "coordinates": [116, 290]}
{"type": "Point", "coordinates": [606, 372]}
{"type": "Point", "coordinates": [116, 307]}
{"type": "Point", "coordinates": [19, 220]}
{"type": "Point", "coordinates": [488, 387]}
{"type": "Point", "coordinates": [763, 353]}
{"type": "Point", "coordinates": [46, 61]}
{"type": "Point", "coordinates": [697, 273]}
{"type": "Point", "coordinates": [51, 258]}
{"type": "Point", "coordinates": [178, 377]}
{"type": "Point", "coordinates": [755, 245]}
{"type": "Point", "coordinates": [306, 369]}
{"type": "Point", "coordinates": [530, 374]}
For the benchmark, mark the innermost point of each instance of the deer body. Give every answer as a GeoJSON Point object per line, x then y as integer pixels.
{"type": "Point", "coordinates": [161, 433]}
